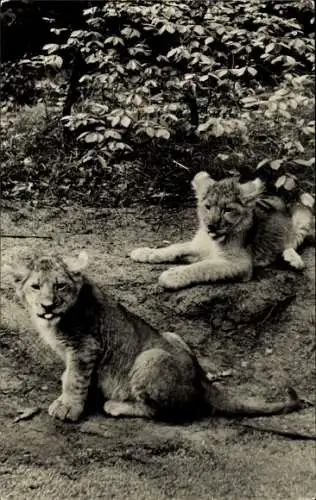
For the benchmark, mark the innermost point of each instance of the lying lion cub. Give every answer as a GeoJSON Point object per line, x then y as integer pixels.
{"type": "Point", "coordinates": [141, 372]}
{"type": "Point", "coordinates": [237, 231]}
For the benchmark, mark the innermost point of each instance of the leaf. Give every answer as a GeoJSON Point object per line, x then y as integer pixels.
{"type": "Point", "coordinates": [290, 61]}
{"type": "Point", "coordinates": [173, 52]}
{"type": "Point", "coordinates": [199, 29]}
{"type": "Point", "coordinates": [27, 414]}
{"type": "Point", "coordinates": [115, 120]}
{"type": "Point", "coordinates": [269, 47]}
{"type": "Point", "coordinates": [132, 65]}
{"type": "Point", "coordinates": [115, 40]}
{"type": "Point", "coordinates": [218, 130]}
{"type": "Point", "coordinates": [289, 184]}
{"type": "Point", "coordinates": [277, 59]}
{"type": "Point", "coordinates": [98, 108]}
{"type": "Point", "coordinates": [305, 163]}
{"type": "Point", "coordinates": [77, 33]}
{"type": "Point", "coordinates": [222, 157]}
{"type": "Point", "coordinates": [150, 131]}
{"type": "Point", "coordinates": [102, 161]}
{"type": "Point", "coordinates": [150, 109]}
{"type": "Point", "coordinates": [163, 132]}
{"type": "Point", "coordinates": [249, 99]}
{"type": "Point", "coordinates": [125, 121]}
{"type": "Point", "coordinates": [208, 40]}
{"type": "Point", "coordinates": [299, 45]}
{"type": "Point", "coordinates": [222, 72]}
{"type": "Point", "coordinates": [114, 146]}
{"type": "Point", "coordinates": [276, 164]}
{"type": "Point", "coordinates": [206, 60]}
{"type": "Point", "coordinates": [299, 146]}
{"type": "Point", "coordinates": [85, 78]}
{"type": "Point", "coordinates": [54, 61]}
{"type": "Point", "coordinates": [307, 200]}
{"type": "Point", "coordinates": [137, 100]}
{"type": "Point", "coordinates": [93, 137]}
{"type": "Point", "coordinates": [205, 126]}
{"type": "Point", "coordinates": [285, 114]}
{"type": "Point", "coordinates": [280, 181]}
{"type": "Point", "coordinates": [252, 71]}
{"type": "Point", "coordinates": [238, 71]}
{"type": "Point", "coordinates": [308, 130]}
{"type": "Point", "coordinates": [57, 31]}
{"type": "Point", "coordinates": [113, 134]}
{"type": "Point", "coordinates": [91, 11]}
{"type": "Point", "coordinates": [51, 47]}
{"type": "Point", "coordinates": [262, 162]}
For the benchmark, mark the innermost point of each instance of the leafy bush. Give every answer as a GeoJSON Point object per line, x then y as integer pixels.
{"type": "Point", "coordinates": [40, 168]}
{"type": "Point", "coordinates": [167, 88]}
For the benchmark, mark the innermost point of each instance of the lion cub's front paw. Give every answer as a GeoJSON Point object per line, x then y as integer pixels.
{"type": "Point", "coordinates": [143, 254]}
{"type": "Point", "coordinates": [293, 258]}
{"type": "Point", "coordinates": [174, 278]}
{"type": "Point", "coordinates": [65, 411]}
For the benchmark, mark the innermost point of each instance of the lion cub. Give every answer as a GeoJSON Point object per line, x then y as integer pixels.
{"type": "Point", "coordinates": [140, 372]}
{"type": "Point", "coordinates": [237, 231]}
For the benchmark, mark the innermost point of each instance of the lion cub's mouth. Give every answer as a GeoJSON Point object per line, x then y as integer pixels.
{"type": "Point", "coordinates": [219, 236]}
{"type": "Point", "coordinates": [49, 316]}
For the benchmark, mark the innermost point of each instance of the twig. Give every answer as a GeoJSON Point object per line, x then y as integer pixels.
{"type": "Point", "coordinates": [180, 164]}
{"type": "Point", "coordinates": [27, 414]}
{"type": "Point", "coordinates": [78, 66]}
{"type": "Point", "coordinates": [218, 377]}
{"type": "Point", "coordinates": [25, 236]}
{"type": "Point", "coordinates": [273, 430]}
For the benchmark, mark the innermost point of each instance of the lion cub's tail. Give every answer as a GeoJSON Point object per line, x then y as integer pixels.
{"type": "Point", "coordinates": [225, 403]}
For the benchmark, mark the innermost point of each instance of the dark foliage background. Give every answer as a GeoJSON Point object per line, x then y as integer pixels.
{"type": "Point", "coordinates": [123, 101]}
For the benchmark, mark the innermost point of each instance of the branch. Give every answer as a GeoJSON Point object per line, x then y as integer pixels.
{"type": "Point", "coordinates": [281, 432]}
{"type": "Point", "coordinates": [77, 70]}
{"type": "Point", "coordinates": [25, 236]}
{"type": "Point", "coordinates": [190, 99]}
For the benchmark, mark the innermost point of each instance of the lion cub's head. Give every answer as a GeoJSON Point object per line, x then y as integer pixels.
{"type": "Point", "coordinates": [49, 285]}
{"type": "Point", "coordinates": [225, 208]}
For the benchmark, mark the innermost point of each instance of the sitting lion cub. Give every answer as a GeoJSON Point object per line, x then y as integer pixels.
{"type": "Point", "coordinates": [140, 372]}
{"type": "Point", "coordinates": [237, 231]}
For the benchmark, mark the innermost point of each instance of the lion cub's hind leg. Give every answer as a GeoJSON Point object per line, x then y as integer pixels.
{"type": "Point", "coordinates": [160, 386]}
{"type": "Point", "coordinates": [128, 409]}
{"type": "Point", "coordinates": [301, 228]}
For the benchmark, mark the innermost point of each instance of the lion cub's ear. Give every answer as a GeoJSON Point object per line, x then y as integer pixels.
{"type": "Point", "coordinates": [77, 264]}
{"type": "Point", "coordinates": [249, 191]}
{"type": "Point", "coordinates": [201, 183]}
{"type": "Point", "coordinates": [15, 272]}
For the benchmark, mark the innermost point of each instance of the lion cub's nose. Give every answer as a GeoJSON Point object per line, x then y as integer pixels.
{"type": "Point", "coordinates": [48, 306]}
{"type": "Point", "coordinates": [212, 228]}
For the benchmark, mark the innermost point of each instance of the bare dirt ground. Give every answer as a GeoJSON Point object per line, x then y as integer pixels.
{"type": "Point", "coordinates": [214, 459]}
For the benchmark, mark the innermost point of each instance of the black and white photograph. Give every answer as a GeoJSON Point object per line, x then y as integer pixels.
{"type": "Point", "coordinates": [157, 224]}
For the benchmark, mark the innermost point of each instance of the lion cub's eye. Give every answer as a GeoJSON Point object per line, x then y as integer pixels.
{"type": "Point", "coordinates": [35, 286]}
{"type": "Point", "coordinates": [61, 286]}
{"type": "Point", "coordinates": [207, 206]}
{"type": "Point", "coordinates": [230, 215]}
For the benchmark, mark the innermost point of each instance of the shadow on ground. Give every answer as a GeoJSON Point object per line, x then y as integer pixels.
{"type": "Point", "coordinates": [261, 334]}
